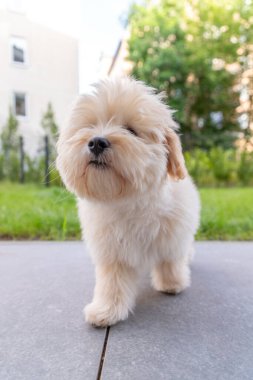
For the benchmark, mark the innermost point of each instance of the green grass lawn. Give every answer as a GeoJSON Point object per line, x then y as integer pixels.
{"type": "Point", "coordinates": [227, 214]}
{"type": "Point", "coordinates": [34, 212]}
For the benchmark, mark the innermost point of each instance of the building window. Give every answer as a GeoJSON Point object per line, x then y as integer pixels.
{"type": "Point", "coordinates": [18, 50]}
{"type": "Point", "coordinates": [20, 104]}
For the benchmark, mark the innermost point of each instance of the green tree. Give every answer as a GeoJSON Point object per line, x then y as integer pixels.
{"type": "Point", "coordinates": [195, 51]}
{"type": "Point", "coordinates": [9, 136]}
{"type": "Point", "coordinates": [50, 127]}
{"type": "Point", "coordinates": [9, 161]}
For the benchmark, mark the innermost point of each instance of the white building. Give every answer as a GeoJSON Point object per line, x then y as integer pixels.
{"type": "Point", "coordinates": [118, 64]}
{"type": "Point", "coordinates": [37, 66]}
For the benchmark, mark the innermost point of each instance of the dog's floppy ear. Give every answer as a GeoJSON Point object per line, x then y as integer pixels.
{"type": "Point", "coordinates": [175, 164]}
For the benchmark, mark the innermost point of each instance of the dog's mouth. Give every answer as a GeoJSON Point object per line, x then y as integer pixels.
{"type": "Point", "coordinates": [98, 164]}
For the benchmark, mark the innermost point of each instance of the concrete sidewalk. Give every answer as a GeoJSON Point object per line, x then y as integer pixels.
{"type": "Point", "coordinates": [205, 333]}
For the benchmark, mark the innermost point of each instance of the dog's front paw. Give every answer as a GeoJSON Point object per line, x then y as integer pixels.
{"type": "Point", "coordinates": [104, 315]}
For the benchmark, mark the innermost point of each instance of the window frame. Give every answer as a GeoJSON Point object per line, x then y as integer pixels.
{"type": "Point", "coordinates": [25, 51]}
{"type": "Point", "coordinates": [15, 93]}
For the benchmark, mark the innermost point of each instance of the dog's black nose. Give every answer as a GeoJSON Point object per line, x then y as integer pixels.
{"type": "Point", "coordinates": [98, 144]}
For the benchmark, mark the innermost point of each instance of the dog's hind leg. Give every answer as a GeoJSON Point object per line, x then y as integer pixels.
{"type": "Point", "coordinates": [171, 276]}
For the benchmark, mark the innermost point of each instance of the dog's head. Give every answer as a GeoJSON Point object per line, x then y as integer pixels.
{"type": "Point", "coordinates": [120, 140]}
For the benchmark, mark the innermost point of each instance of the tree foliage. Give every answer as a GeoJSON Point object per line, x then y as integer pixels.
{"type": "Point", "coordinates": [9, 158]}
{"type": "Point", "coordinates": [48, 123]}
{"type": "Point", "coordinates": [9, 135]}
{"type": "Point", "coordinates": [50, 127]}
{"type": "Point", "coordinates": [196, 51]}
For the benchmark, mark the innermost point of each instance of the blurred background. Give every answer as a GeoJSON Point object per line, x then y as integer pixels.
{"type": "Point", "coordinates": [199, 52]}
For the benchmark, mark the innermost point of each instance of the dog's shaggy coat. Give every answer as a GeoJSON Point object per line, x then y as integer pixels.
{"type": "Point", "coordinates": [137, 205]}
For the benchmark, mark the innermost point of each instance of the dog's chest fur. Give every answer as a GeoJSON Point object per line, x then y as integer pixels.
{"type": "Point", "coordinates": [135, 230]}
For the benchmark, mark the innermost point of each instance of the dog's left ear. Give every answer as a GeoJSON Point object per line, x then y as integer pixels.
{"type": "Point", "coordinates": [175, 164]}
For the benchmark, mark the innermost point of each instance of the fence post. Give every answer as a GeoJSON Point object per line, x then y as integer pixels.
{"type": "Point", "coordinates": [47, 153]}
{"type": "Point", "coordinates": [22, 160]}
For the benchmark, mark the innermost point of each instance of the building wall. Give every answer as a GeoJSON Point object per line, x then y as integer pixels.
{"type": "Point", "coordinates": [116, 64]}
{"type": "Point", "coordinates": [50, 75]}
{"type": "Point", "coordinates": [119, 64]}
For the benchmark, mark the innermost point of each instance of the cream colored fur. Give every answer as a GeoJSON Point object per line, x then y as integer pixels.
{"type": "Point", "coordinates": [140, 210]}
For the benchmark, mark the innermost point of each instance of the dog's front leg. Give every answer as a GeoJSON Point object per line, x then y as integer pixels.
{"type": "Point", "coordinates": [114, 294]}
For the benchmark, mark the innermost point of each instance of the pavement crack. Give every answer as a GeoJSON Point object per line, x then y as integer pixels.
{"type": "Point", "coordinates": [102, 357]}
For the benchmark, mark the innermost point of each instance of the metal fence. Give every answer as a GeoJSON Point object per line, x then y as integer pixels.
{"type": "Point", "coordinates": [46, 154]}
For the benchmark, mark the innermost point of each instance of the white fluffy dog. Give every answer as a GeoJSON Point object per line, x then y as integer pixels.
{"type": "Point", "coordinates": [138, 207]}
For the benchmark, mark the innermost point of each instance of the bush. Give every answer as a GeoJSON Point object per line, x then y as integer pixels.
{"type": "Point", "coordinates": [198, 165]}
{"type": "Point", "coordinates": [224, 165]}
{"type": "Point", "coordinates": [219, 167]}
{"type": "Point", "coordinates": [10, 166]}
{"type": "Point", "coordinates": [11, 148]}
{"type": "Point", "coordinates": [245, 168]}
{"type": "Point", "coordinates": [55, 178]}
{"type": "Point", "coordinates": [13, 165]}
{"type": "Point", "coordinates": [1, 167]}
{"type": "Point", "coordinates": [214, 167]}
{"type": "Point", "coordinates": [34, 169]}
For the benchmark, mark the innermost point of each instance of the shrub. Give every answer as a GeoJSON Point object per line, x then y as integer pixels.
{"type": "Point", "coordinates": [13, 166]}
{"type": "Point", "coordinates": [1, 167]}
{"type": "Point", "coordinates": [33, 169]}
{"type": "Point", "coordinates": [55, 178]}
{"type": "Point", "coordinates": [245, 168]}
{"type": "Point", "coordinates": [219, 167]}
{"type": "Point", "coordinates": [224, 165]}
{"type": "Point", "coordinates": [9, 166]}
{"type": "Point", "coordinates": [198, 164]}
{"type": "Point", "coordinates": [216, 167]}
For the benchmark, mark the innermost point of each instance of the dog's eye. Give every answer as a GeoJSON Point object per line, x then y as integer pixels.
{"type": "Point", "coordinates": [131, 130]}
